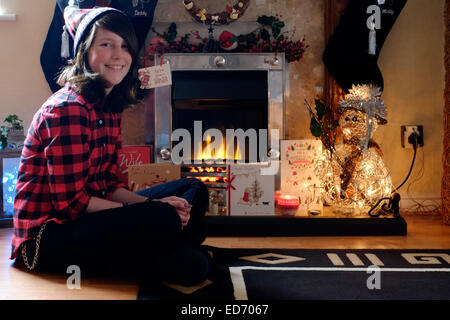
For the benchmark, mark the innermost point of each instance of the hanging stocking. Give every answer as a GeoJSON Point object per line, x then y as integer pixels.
{"type": "Point", "coordinates": [352, 52]}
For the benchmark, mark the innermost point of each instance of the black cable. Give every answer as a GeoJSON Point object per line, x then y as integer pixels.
{"type": "Point", "coordinates": [394, 201]}
{"type": "Point", "coordinates": [410, 169]}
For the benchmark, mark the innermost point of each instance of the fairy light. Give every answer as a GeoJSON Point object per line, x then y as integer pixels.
{"type": "Point", "coordinates": [9, 180]}
{"type": "Point", "coordinates": [354, 177]}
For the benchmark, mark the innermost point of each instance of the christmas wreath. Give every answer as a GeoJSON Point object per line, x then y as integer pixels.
{"type": "Point", "coordinates": [231, 13]}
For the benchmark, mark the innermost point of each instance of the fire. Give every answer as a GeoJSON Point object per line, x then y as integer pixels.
{"type": "Point", "coordinates": [208, 179]}
{"type": "Point", "coordinates": [213, 179]}
{"type": "Point", "coordinates": [210, 151]}
{"type": "Point", "coordinates": [208, 169]}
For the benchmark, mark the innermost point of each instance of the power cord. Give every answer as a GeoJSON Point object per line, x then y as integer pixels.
{"type": "Point", "coordinates": [413, 139]}
{"type": "Point", "coordinates": [393, 205]}
{"type": "Point", "coordinates": [425, 206]}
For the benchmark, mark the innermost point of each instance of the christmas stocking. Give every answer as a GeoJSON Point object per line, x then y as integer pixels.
{"type": "Point", "coordinates": [347, 55]}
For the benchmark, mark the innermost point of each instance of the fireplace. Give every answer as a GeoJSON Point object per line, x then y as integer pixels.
{"type": "Point", "coordinates": [221, 91]}
{"type": "Point", "coordinates": [235, 91]}
{"type": "Point", "coordinates": [241, 93]}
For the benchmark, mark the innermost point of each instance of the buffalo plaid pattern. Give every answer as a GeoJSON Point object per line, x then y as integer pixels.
{"type": "Point", "coordinates": [69, 155]}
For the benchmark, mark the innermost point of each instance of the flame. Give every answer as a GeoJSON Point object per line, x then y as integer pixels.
{"type": "Point", "coordinates": [208, 153]}
{"type": "Point", "coordinates": [208, 179]}
{"type": "Point", "coordinates": [208, 169]}
{"type": "Point", "coordinates": [213, 179]}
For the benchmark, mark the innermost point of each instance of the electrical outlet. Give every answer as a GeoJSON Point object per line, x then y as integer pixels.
{"type": "Point", "coordinates": [406, 131]}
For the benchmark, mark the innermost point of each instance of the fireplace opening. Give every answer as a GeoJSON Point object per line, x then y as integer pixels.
{"type": "Point", "coordinates": [221, 100]}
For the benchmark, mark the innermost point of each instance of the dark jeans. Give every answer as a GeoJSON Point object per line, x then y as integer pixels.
{"type": "Point", "coordinates": [143, 239]}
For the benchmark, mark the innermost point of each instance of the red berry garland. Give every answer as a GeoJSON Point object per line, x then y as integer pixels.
{"type": "Point", "coordinates": [231, 13]}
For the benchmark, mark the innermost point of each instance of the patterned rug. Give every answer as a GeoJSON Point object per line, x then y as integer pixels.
{"type": "Point", "coordinates": [303, 274]}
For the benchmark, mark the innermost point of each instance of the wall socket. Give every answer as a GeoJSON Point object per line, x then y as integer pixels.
{"type": "Point", "coordinates": [406, 131]}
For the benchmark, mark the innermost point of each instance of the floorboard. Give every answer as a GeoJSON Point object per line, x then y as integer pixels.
{"type": "Point", "coordinates": [17, 284]}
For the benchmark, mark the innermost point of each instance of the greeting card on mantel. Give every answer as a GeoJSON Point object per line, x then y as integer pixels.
{"type": "Point", "coordinates": [297, 174]}
{"type": "Point", "coordinates": [248, 191]}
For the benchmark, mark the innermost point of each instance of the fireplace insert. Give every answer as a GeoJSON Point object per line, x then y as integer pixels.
{"type": "Point", "coordinates": [242, 92]}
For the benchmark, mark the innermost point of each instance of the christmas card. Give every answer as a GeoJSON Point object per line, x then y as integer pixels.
{"type": "Point", "coordinates": [132, 155]}
{"type": "Point", "coordinates": [149, 175]}
{"type": "Point", "coordinates": [249, 192]}
{"type": "Point", "coordinates": [297, 174]}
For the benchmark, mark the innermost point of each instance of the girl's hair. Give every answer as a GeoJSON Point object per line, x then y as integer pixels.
{"type": "Point", "coordinates": [89, 84]}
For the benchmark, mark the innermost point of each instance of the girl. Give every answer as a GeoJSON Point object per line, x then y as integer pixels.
{"type": "Point", "coordinates": [70, 206]}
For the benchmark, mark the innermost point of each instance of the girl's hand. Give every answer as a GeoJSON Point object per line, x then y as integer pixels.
{"type": "Point", "coordinates": [182, 207]}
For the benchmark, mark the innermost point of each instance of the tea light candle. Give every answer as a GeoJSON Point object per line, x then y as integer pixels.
{"type": "Point", "coordinates": [288, 205]}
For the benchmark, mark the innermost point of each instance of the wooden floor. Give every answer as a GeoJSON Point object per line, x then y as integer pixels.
{"type": "Point", "coordinates": [423, 233]}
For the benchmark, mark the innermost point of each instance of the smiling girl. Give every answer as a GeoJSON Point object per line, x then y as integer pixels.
{"type": "Point", "coordinates": [71, 208]}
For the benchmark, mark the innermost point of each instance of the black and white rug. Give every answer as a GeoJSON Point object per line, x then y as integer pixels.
{"type": "Point", "coordinates": [304, 274]}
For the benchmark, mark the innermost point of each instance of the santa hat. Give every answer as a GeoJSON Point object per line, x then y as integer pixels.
{"type": "Point", "coordinates": [228, 41]}
{"type": "Point", "coordinates": [77, 22]}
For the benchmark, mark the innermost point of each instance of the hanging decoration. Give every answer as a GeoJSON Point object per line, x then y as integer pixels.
{"type": "Point", "coordinates": [354, 176]}
{"type": "Point", "coordinates": [230, 14]}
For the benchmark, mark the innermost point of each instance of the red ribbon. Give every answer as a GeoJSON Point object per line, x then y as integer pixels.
{"type": "Point", "coordinates": [229, 185]}
{"type": "Point", "coordinates": [162, 57]}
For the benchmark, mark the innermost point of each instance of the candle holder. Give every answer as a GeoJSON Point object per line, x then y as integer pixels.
{"type": "Point", "coordinates": [288, 205]}
{"type": "Point", "coordinates": [277, 197]}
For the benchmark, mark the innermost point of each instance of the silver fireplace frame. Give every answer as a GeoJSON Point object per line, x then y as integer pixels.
{"type": "Point", "coordinates": [277, 79]}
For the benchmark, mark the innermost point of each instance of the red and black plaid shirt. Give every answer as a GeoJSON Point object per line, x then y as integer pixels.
{"type": "Point", "coordinates": [69, 155]}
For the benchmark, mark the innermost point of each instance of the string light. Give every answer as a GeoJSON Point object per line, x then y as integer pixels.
{"type": "Point", "coordinates": [9, 180]}
{"type": "Point", "coordinates": [354, 176]}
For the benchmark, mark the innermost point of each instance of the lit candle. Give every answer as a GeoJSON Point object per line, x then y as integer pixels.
{"type": "Point", "coordinates": [288, 205]}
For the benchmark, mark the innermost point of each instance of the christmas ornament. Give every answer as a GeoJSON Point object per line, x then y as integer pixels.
{"type": "Point", "coordinates": [259, 40]}
{"type": "Point", "coordinates": [354, 176]}
{"type": "Point", "coordinates": [228, 41]}
{"type": "Point", "coordinates": [230, 14]}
